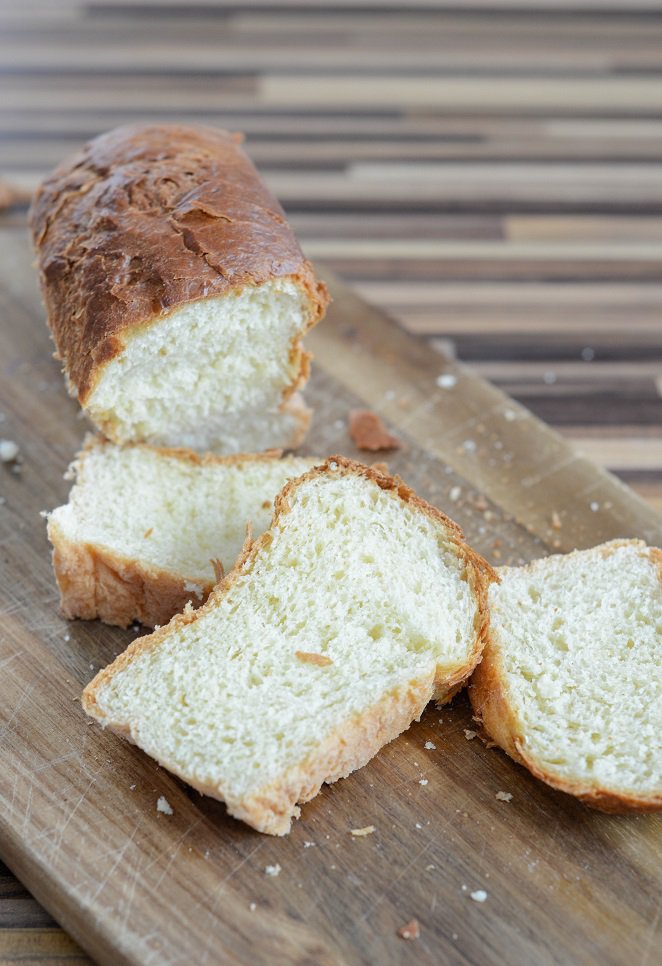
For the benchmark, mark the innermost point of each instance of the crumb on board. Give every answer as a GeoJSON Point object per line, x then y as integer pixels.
{"type": "Point", "coordinates": [8, 450]}
{"type": "Point", "coordinates": [360, 832]}
{"type": "Point", "coordinates": [272, 870]}
{"type": "Point", "coordinates": [479, 895]}
{"type": "Point", "coordinates": [595, 506]}
{"type": "Point", "coordinates": [455, 493]}
{"type": "Point", "coordinates": [164, 806]}
{"type": "Point", "coordinates": [422, 781]}
{"type": "Point", "coordinates": [469, 734]}
{"type": "Point", "coordinates": [410, 930]}
{"type": "Point", "coordinates": [504, 796]}
{"type": "Point", "coordinates": [446, 380]}
{"type": "Point", "coordinates": [430, 745]}
{"type": "Point", "coordinates": [148, 533]}
{"type": "Point", "coordinates": [252, 906]}
{"type": "Point", "coordinates": [556, 521]}
{"type": "Point", "coordinates": [369, 433]}
{"type": "Point", "coordinates": [310, 657]}
{"type": "Point", "coordinates": [308, 845]}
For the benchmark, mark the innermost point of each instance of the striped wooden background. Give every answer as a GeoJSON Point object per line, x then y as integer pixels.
{"type": "Point", "coordinates": [487, 171]}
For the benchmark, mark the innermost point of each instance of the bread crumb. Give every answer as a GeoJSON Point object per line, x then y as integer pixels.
{"type": "Point", "coordinates": [430, 867]}
{"type": "Point", "coordinates": [272, 870]}
{"type": "Point", "coordinates": [595, 506]}
{"type": "Point", "coordinates": [422, 781]}
{"type": "Point", "coordinates": [556, 521]}
{"type": "Point", "coordinates": [381, 468]}
{"type": "Point", "coordinates": [549, 378]}
{"type": "Point", "coordinates": [369, 433]}
{"type": "Point", "coordinates": [8, 450]}
{"type": "Point", "coordinates": [164, 806]}
{"type": "Point", "coordinates": [148, 533]}
{"type": "Point", "coordinates": [309, 657]}
{"type": "Point", "coordinates": [219, 569]}
{"type": "Point", "coordinates": [446, 381]}
{"type": "Point", "coordinates": [252, 906]}
{"type": "Point", "coordinates": [469, 446]}
{"type": "Point", "coordinates": [455, 493]}
{"type": "Point", "coordinates": [479, 895]}
{"type": "Point", "coordinates": [411, 930]}
{"type": "Point", "coordinates": [367, 830]}
{"type": "Point", "coordinates": [510, 415]}
{"type": "Point", "coordinates": [132, 787]}
{"type": "Point", "coordinates": [469, 734]}
{"type": "Point", "coordinates": [504, 796]}
{"type": "Point", "coordinates": [430, 745]}
{"type": "Point", "coordinates": [308, 845]}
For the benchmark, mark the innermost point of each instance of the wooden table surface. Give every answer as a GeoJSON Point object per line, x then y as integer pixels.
{"type": "Point", "coordinates": [487, 172]}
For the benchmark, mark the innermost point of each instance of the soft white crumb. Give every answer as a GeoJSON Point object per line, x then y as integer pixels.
{"type": "Point", "coordinates": [252, 906]}
{"type": "Point", "coordinates": [595, 506]}
{"type": "Point", "coordinates": [390, 394]}
{"type": "Point", "coordinates": [430, 745]}
{"type": "Point", "coordinates": [455, 493]}
{"type": "Point", "coordinates": [67, 637]}
{"type": "Point", "coordinates": [366, 830]}
{"type": "Point", "coordinates": [8, 450]}
{"type": "Point", "coordinates": [549, 378]}
{"type": "Point", "coordinates": [479, 895]}
{"type": "Point", "coordinates": [132, 788]}
{"type": "Point", "coordinates": [469, 445]}
{"type": "Point", "coordinates": [422, 781]}
{"type": "Point", "coordinates": [272, 870]}
{"type": "Point", "coordinates": [43, 514]}
{"type": "Point", "coordinates": [339, 424]}
{"type": "Point", "coordinates": [510, 415]}
{"type": "Point", "coordinates": [418, 825]}
{"type": "Point", "coordinates": [191, 588]}
{"type": "Point", "coordinates": [308, 845]}
{"type": "Point", "coordinates": [446, 380]}
{"type": "Point", "coordinates": [163, 805]}
{"type": "Point", "coordinates": [469, 734]}
{"type": "Point", "coordinates": [504, 796]}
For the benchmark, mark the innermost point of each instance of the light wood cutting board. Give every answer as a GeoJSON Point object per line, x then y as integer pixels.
{"type": "Point", "coordinates": [78, 819]}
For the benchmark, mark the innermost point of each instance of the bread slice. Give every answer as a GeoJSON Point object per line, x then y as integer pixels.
{"type": "Point", "coordinates": [570, 682]}
{"type": "Point", "coordinates": [144, 527]}
{"type": "Point", "coordinates": [176, 292]}
{"type": "Point", "coordinates": [357, 606]}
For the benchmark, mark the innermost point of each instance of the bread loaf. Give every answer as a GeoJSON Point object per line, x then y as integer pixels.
{"type": "Point", "coordinates": [145, 529]}
{"type": "Point", "coordinates": [176, 293]}
{"type": "Point", "coordinates": [570, 684]}
{"type": "Point", "coordinates": [357, 606]}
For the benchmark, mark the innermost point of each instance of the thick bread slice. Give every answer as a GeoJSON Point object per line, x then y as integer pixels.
{"type": "Point", "coordinates": [570, 684]}
{"type": "Point", "coordinates": [142, 526]}
{"type": "Point", "coordinates": [359, 605]}
{"type": "Point", "coordinates": [176, 292]}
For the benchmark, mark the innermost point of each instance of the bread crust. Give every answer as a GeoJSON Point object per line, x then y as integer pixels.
{"type": "Point", "coordinates": [146, 218]}
{"type": "Point", "coordinates": [496, 714]}
{"type": "Point", "coordinates": [272, 809]}
{"type": "Point", "coordinates": [95, 582]}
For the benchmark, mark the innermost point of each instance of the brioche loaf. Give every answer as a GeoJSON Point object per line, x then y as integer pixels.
{"type": "Point", "coordinates": [570, 684]}
{"type": "Point", "coordinates": [176, 293]}
{"type": "Point", "coordinates": [142, 526]}
{"type": "Point", "coordinates": [357, 606]}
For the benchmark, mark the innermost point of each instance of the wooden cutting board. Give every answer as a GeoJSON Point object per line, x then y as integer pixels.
{"type": "Point", "coordinates": [78, 818]}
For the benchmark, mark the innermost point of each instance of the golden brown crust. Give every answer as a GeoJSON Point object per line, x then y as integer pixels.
{"type": "Point", "coordinates": [95, 582]}
{"type": "Point", "coordinates": [350, 747]}
{"type": "Point", "coordinates": [496, 714]}
{"type": "Point", "coordinates": [146, 218]}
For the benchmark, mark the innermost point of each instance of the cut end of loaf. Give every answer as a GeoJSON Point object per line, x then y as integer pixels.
{"type": "Point", "coordinates": [569, 684]}
{"type": "Point", "coordinates": [356, 569]}
{"type": "Point", "coordinates": [212, 375]}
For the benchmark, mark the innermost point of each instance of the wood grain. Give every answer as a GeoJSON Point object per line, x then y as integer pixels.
{"type": "Point", "coordinates": [486, 173]}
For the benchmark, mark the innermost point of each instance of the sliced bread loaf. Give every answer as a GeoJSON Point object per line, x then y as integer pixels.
{"type": "Point", "coordinates": [144, 527]}
{"type": "Point", "coordinates": [570, 684]}
{"type": "Point", "coordinates": [357, 606]}
{"type": "Point", "coordinates": [176, 292]}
